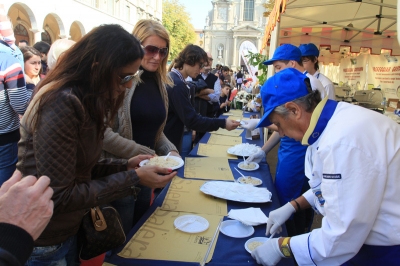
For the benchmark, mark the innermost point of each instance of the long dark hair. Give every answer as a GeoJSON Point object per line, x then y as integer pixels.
{"type": "Point", "coordinates": [91, 68]}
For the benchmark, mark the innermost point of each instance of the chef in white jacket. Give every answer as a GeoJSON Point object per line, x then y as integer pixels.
{"type": "Point", "coordinates": [353, 166]}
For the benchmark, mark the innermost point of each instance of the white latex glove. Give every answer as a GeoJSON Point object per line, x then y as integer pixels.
{"type": "Point", "coordinates": [278, 217]}
{"type": "Point", "coordinates": [256, 157]}
{"type": "Point", "coordinates": [250, 124]}
{"type": "Point", "coordinates": [268, 253]}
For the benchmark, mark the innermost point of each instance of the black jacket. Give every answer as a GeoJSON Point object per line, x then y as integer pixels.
{"type": "Point", "coordinates": [181, 112]}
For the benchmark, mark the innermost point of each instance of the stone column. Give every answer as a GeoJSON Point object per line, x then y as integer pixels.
{"type": "Point", "coordinates": [235, 51]}
{"type": "Point", "coordinates": [241, 10]}
{"type": "Point", "coordinates": [215, 13]}
{"type": "Point", "coordinates": [230, 16]}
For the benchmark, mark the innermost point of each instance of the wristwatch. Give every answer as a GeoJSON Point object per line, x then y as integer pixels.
{"type": "Point", "coordinates": [286, 248]}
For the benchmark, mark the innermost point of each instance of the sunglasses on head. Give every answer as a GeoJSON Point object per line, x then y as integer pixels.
{"type": "Point", "coordinates": [153, 50]}
{"type": "Point", "coordinates": [128, 78]}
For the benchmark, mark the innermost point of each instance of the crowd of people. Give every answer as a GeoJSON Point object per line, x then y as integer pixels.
{"type": "Point", "coordinates": [78, 118]}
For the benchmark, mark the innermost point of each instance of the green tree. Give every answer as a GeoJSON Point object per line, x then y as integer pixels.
{"type": "Point", "coordinates": [177, 21]}
{"type": "Point", "coordinates": [256, 60]}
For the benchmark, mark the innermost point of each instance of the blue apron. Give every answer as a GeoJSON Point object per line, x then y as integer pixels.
{"type": "Point", "coordinates": [376, 256]}
{"type": "Point", "coordinates": [290, 177]}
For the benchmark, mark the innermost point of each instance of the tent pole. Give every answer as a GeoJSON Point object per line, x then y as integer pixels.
{"type": "Point", "coordinates": [274, 42]}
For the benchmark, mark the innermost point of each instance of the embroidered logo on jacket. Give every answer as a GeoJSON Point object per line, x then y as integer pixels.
{"type": "Point", "coordinates": [332, 176]}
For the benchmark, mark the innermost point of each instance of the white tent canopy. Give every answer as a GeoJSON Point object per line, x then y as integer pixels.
{"type": "Point", "coordinates": [337, 27]}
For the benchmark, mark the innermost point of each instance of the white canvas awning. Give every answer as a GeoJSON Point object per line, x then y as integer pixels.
{"type": "Point", "coordinates": [336, 26]}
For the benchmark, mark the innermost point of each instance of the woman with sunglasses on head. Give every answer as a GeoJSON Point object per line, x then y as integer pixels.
{"type": "Point", "coordinates": [139, 125]}
{"type": "Point", "coordinates": [62, 135]}
{"type": "Point", "coordinates": [181, 110]}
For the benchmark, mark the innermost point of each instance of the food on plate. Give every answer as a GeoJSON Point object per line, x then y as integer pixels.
{"type": "Point", "coordinates": [160, 161]}
{"type": "Point", "coordinates": [244, 149]}
{"type": "Point", "coordinates": [250, 180]}
{"type": "Point", "coordinates": [248, 166]}
{"type": "Point", "coordinates": [253, 245]}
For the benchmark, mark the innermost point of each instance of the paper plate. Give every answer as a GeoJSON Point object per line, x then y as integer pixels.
{"type": "Point", "coordinates": [234, 228]}
{"type": "Point", "coordinates": [250, 180]}
{"type": "Point", "coordinates": [178, 159]}
{"type": "Point", "coordinates": [254, 242]}
{"type": "Point", "coordinates": [243, 149]}
{"type": "Point", "coordinates": [242, 166]}
{"type": "Point", "coordinates": [236, 192]}
{"type": "Point", "coordinates": [191, 224]}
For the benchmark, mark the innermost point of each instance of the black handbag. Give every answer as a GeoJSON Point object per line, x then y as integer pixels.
{"type": "Point", "coordinates": [101, 230]}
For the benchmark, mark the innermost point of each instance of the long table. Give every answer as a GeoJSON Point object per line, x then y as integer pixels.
{"type": "Point", "coordinates": [228, 251]}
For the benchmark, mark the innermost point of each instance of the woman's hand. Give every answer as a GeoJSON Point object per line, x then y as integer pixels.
{"type": "Point", "coordinates": [154, 176]}
{"type": "Point", "coordinates": [133, 162]}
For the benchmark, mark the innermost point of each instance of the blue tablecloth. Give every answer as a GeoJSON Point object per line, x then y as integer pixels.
{"type": "Point", "coordinates": [228, 251]}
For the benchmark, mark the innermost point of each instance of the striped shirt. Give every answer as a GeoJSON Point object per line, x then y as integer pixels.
{"type": "Point", "coordinates": [14, 97]}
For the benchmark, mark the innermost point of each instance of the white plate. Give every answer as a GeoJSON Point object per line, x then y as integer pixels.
{"type": "Point", "coordinates": [243, 149]}
{"type": "Point", "coordinates": [176, 158]}
{"type": "Point", "coordinates": [236, 191]}
{"type": "Point", "coordinates": [254, 239]}
{"type": "Point", "coordinates": [241, 166]}
{"type": "Point", "coordinates": [234, 228]}
{"type": "Point", "coordinates": [250, 180]}
{"type": "Point", "coordinates": [191, 223]}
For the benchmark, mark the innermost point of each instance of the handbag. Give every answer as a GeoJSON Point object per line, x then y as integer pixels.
{"type": "Point", "coordinates": [101, 230]}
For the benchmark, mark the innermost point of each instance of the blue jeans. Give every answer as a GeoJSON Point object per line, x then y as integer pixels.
{"type": "Point", "coordinates": [187, 144]}
{"type": "Point", "coordinates": [130, 210]}
{"type": "Point", "coordinates": [64, 254]}
{"type": "Point", "coordinates": [8, 160]}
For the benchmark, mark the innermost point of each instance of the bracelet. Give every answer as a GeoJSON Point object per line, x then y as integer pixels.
{"type": "Point", "coordinates": [298, 205]}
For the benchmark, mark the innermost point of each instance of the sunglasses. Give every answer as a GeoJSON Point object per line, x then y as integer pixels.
{"type": "Point", "coordinates": [153, 50]}
{"type": "Point", "coordinates": [128, 78]}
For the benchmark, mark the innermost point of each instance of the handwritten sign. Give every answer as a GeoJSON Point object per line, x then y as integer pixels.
{"type": "Point", "coordinates": [157, 239]}
{"type": "Point", "coordinates": [224, 140]}
{"type": "Point", "coordinates": [214, 151]}
{"type": "Point", "coordinates": [208, 168]}
{"type": "Point", "coordinates": [185, 195]}
{"type": "Point", "coordinates": [223, 131]}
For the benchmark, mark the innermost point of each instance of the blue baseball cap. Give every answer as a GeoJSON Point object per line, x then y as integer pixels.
{"type": "Point", "coordinates": [285, 52]}
{"type": "Point", "coordinates": [309, 49]}
{"type": "Point", "coordinates": [285, 86]}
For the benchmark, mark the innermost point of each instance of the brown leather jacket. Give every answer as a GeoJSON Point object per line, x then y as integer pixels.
{"type": "Point", "coordinates": [65, 148]}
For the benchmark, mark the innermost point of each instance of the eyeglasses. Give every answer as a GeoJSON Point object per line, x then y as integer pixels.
{"type": "Point", "coordinates": [201, 65]}
{"type": "Point", "coordinates": [210, 58]}
{"type": "Point", "coordinates": [128, 78]}
{"type": "Point", "coordinates": [153, 50]}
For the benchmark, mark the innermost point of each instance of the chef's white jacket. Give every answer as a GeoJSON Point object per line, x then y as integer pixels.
{"type": "Point", "coordinates": [327, 83]}
{"type": "Point", "coordinates": [356, 160]}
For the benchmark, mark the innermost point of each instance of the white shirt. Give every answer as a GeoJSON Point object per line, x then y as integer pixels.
{"type": "Point", "coordinates": [316, 84]}
{"type": "Point", "coordinates": [214, 97]}
{"type": "Point", "coordinates": [362, 207]}
{"type": "Point", "coordinates": [327, 83]}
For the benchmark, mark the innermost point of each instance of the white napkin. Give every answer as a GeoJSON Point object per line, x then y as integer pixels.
{"type": "Point", "coordinates": [249, 216]}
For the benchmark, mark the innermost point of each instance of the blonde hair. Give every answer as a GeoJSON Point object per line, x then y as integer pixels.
{"type": "Point", "coordinates": [145, 28]}
{"type": "Point", "coordinates": [56, 50]}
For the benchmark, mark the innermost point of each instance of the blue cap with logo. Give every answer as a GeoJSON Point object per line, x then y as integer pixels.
{"type": "Point", "coordinates": [285, 52]}
{"type": "Point", "coordinates": [309, 49]}
{"type": "Point", "coordinates": [285, 86]}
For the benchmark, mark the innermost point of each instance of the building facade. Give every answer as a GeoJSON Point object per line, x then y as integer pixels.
{"type": "Point", "coordinates": [230, 24]}
{"type": "Point", "coordinates": [40, 20]}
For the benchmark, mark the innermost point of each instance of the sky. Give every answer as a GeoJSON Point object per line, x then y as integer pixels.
{"type": "Point", "coordinates": [198, 11]}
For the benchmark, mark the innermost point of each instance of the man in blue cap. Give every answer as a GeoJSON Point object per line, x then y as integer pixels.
{"type": "Point", "coordinates": [353, 170]}
{"type": "Point", "coordinates": [290, 180]}
{"type": "Point", "coordinates": [309, 58]}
